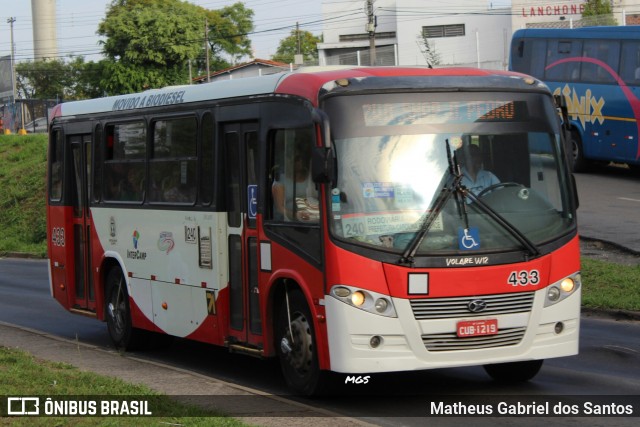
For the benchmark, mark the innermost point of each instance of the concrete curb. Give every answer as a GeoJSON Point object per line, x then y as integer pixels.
{"type": "Point", "coordinates": [265, 409]}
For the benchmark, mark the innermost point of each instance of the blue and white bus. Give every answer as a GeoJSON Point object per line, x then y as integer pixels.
{"type": "Point", "coordinates": [597, 70]}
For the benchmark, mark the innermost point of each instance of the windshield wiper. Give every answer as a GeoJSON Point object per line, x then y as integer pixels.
{"type": "Point", "coordinates": [454, 187]}
{"type": "Point", "coordinates": [451, 187]}
{"type": "Point", "coordinates": [519, 235]}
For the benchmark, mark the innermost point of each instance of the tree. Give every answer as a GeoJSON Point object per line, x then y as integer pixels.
{"type": "Point", "coordinates": [150, 42]}
{"type": "Point", "coordinates": [288, 47]}
{"type": "Point", "coordinates": [68, 80]}
{"type": "Point", "coordinates": [431, 56]}
{"type": "Point", "coordinates": [228, 32]}
{"type": "Point", "coordinates": [598, 13]}
{"type": "Point", "coordinates": [42, 79]}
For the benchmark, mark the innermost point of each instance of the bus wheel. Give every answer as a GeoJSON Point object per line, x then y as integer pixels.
{"type": "Point", "coordinates": [580, 164]}
{"type": "Point", "coordinates": [118, 313]}
{"type": "Point", "coordinates": [514, 372]}
{"type": "Point", "coordinates": [296, 345]}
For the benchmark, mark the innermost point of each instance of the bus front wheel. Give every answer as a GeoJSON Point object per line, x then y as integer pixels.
{"type": "Point", "coordinates": [118, 313]}
{"type": "Point", "coordinates": [296, 345]}
{"type": "Point", "coordinates": [514, 372]}
{"type": "Point", "coordinates": [580, 164]}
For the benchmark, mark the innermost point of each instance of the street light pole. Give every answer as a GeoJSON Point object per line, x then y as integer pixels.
{"type": "Point", "coordinates": [10, 21]}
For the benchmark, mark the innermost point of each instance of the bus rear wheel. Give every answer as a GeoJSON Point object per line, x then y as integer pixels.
{"type": "Point", "coordinates": [514, 372]}
{"type": "Point", "coordinates": [296, 345]}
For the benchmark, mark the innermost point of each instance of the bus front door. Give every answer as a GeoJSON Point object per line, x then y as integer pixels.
{"type": "Point", "coordinates": [82, 295]}
{"type": "Point", "coordinates": [241, 160]}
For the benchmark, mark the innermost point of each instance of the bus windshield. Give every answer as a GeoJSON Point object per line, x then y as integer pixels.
{"type": "Point", "coordinates": [396, 155]}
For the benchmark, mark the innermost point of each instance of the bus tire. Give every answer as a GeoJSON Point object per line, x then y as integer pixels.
{"type": "Point", "coordinates": [118, 313]}
{"type": "Point", "coordinates": [580, 164]}
{"type": "Point", "coordinates": [296, 346]}
{"type": "Point", "coordinates": [514, 372]}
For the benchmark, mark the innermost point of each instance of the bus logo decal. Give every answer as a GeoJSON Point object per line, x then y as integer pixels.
{"type": "Point", "coordinates": [477, 305]}
{"type": "Point", "coordinates": [585, 108]}
{"type": "Point", "coordinates": [166, 242]}
{"type": "Point", "coordinates": [136, 237]}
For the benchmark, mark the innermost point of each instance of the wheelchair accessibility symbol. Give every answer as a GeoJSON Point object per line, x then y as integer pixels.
{"type": "Point", "coordinates": [468, 239]}
{"type": "Point", "coordinates": [252, 201]}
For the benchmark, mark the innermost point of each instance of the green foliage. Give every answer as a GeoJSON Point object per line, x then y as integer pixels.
{"type": "Point", "coordinates": [598, 13]}
{"type": "Point", "coordinates": [156, 33]}
{"type": "Point", "coordinates": [23, 375]}
{"type": "Point", "coordinates": [22, 199]}
{"type": "Point", "coordinates": [288, 47]}
{"type": "Point", "coordinates": [148, 44]}
{"type": "Point", "coordinates": [610, 286]}
{"type": "Point", "coordinates": [228, 31]}
{"type": "Point", "coordinates": [63, 80]}
{"type": "Point", "coordinates": [42, 79]}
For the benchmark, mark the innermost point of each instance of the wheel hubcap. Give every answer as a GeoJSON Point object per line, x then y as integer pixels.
{"type": "Point", "coordinates": [299, 349]}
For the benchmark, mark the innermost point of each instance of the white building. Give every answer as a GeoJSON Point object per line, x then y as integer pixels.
{"type": "Point", "coordinates": [462, 32]}
{"type": "Point", "coordinates": [472, 33]}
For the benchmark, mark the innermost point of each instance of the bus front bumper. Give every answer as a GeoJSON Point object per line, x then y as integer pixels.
{"type": "Point", "coordinates": [404, 341]}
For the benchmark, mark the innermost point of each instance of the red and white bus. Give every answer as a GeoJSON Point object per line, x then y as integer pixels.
{"type": "Point", "coordinates": [330, 218]}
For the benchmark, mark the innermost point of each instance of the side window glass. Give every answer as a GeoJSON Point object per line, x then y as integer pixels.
{"type": "Point", "coordinates": [207, 172]}
{"type": "Point", "coordinates": [630, 62]}
{"type": "Point", "coordinates": [172, 168]}
{"type": "Point", "coordinates": [294, 194]}
{"type": "Point", "coordinates": [602, 51]}
{"type": "Point", "coordinates": [56, 166]}
{"type": "Point", "coordinates": [98, 152]}
{"type": "Point", "coordinates": [563, 71]}
{"type": "Point", "coordinates": [124, 164]}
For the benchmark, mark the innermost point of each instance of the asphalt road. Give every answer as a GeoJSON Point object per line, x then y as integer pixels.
{"type": "Point", "coordinates": [610, 205]}
{"type": "Point", "coordinates": [608, 365]}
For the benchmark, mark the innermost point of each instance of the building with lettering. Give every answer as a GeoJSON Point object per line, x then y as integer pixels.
{"type": "Point", "coordinates": [459, 32]}
{"type": "Point", "coordinates": [471, 33]}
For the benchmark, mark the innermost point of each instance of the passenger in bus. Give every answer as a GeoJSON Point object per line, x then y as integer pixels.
{"type": "Point", "coordinates": [295, 196]}
{"type": "Point", "coordinates": [174, 191]}
{"type": "Point", "coordinates": [474, 176]}
{"type": "Point", "coordinates": [130, 186]}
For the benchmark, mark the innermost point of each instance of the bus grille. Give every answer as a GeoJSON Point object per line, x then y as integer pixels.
{"type": "Point", "coordinates": [451, 342]}
{"type": "Point", "coordinates": [447, 308]}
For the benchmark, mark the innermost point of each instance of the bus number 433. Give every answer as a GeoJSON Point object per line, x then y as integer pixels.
{"type": "Point", "coordinates": [524, 278]}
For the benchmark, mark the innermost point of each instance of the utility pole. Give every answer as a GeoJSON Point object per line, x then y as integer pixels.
{"type": "Point", "coordinates": [10, 21]}
{"type": "Point", "coordinates": [371, 29]}
{"type": "Point", "coordinates": [298, 58]}
{"type": "Point", "coordinates": [206, 46]}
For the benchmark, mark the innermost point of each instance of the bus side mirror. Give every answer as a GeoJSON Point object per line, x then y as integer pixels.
{"type": "Point", "coordinates": [323, 162]}
{"type": "Point", "coordinates": [323, 166]}
{"type": "Point", "coordinates": [561, 105]}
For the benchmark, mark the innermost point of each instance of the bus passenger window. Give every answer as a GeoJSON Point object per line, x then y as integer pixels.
{"type": "Point", "coordinates": [294, 194]}
{"type": "Point", "coordinates": [56, 171]}
{"type": "Point", "coordinates": [172, 169]}
{"type": "Point", "coordinates": [126, 147]}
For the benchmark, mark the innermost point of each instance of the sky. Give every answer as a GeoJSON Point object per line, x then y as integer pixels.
{"type": "Point", "coordinates": [78, 22]}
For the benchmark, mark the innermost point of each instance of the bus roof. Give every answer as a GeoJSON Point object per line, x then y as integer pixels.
{"type": "Point", "coordinates": [304, 83]}
{"type": "Point", "coordinates": [612, 32]}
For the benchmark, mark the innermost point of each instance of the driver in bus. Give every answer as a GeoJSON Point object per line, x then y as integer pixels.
{"type": "Point", "coordinates": [474, 177]}
{"type": "Point", "coordinates": [304, 204]}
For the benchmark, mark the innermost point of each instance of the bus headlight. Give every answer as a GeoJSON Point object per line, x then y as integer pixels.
{"type": "Point", "coordinates": [381, 305]}
{"type": "Point", "coordinates": [372, 302]}
{"type": "Point", "coordinates": [562, 289]}
{"type": "Point", "coordinates": [358, 298]}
